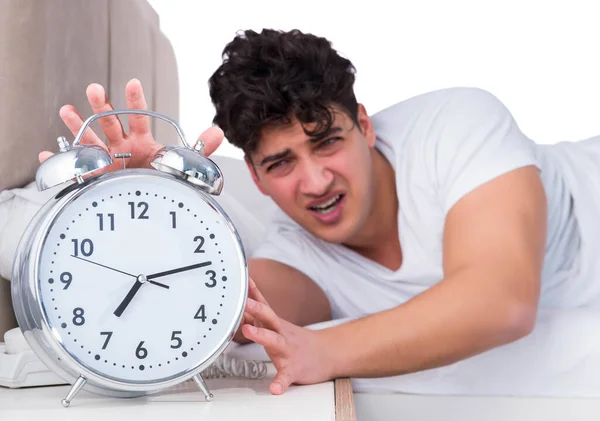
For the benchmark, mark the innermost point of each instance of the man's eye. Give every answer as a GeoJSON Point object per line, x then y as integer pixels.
{"type": "Point", "coordinates": [277, 164]}
{"type": "Point", "coordinates": [328, 142]}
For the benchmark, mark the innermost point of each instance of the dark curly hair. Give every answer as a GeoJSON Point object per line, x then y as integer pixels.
{"type": "Point", "coordinates": [269, 77]}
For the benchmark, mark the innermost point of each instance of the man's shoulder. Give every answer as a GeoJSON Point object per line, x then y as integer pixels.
{"type": "Point", "coordinates": [431, 101]}
{"type": "Point", "coordinates": [409, 122]}
{"type": "Point", "coordinates": [424, 117]}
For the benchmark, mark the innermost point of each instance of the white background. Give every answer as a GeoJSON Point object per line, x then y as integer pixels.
{"type": "Point", "coordinates": [541, 58]}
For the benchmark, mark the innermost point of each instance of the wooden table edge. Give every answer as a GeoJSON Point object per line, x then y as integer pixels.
{"type": "Point", "coordinates": [344, 400]}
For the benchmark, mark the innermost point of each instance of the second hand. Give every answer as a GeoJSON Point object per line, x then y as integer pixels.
{"type": "Point", "coordinates": [120, 271]}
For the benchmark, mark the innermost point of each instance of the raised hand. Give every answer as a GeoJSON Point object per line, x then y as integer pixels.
{"type": "Point", "coordinates": [139, 141]}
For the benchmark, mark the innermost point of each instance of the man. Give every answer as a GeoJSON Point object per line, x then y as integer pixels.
{"type": "Point", "coordinates": [435, 223]}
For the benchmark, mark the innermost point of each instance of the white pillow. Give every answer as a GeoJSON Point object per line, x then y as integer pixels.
{"type": "Point", "coordinates": [247, 207]}
{"type": "Point", "coordinates": [17, 208]}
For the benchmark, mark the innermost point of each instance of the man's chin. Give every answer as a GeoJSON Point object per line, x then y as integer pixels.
{"type": "Point", "coordinates": [340, 231]}
{"type": "Point", "coordinates": [337, 234]}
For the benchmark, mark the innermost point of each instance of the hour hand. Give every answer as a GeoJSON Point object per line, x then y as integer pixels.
{"type": "Point", "coordinates": [134, 289]}
{"type": "Point", "coordinates": [181, 269]}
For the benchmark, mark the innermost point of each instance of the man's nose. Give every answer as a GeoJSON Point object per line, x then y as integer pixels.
{"type": "Point", "coordinates": [315, 178]}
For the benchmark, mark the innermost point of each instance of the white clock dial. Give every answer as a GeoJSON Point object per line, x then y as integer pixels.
{"type": "Point", "coordinates": [141, 279]}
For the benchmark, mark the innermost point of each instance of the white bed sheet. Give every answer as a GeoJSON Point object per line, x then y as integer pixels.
{"type": "Point", "coordinates": [559, 359]}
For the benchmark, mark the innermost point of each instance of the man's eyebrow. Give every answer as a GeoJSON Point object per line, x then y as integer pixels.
{"type": "Point", "coordinates": [314, 139]}
{"type": "Point", "coordinates": [275, 157]}
{"type": "Point", "coordinates": [332, 131]}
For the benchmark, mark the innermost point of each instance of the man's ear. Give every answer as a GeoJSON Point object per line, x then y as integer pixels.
{"type": "Point", "coordinates": [366, 125]}
{"type": "Point", "coordinates": [254, 175]}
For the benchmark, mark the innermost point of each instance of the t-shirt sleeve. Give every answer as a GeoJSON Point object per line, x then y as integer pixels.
{"type": "Point", "coordinates": [478, 141]}
{"type": "Point", "coordinates": [292, 246]}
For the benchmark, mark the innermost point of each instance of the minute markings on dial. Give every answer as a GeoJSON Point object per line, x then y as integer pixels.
{"type": "Point", "coordinates": [159, 274]}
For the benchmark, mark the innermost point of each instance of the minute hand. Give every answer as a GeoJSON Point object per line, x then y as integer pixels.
{"type": "Point", "coordinates": [183, 269]}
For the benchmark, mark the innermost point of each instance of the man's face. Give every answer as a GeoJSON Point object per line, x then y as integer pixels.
{"type": "Point", "coordinates": [325, 184]}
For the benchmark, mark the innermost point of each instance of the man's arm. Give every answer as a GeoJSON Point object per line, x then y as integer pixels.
{"type": "Point", "coordinates": [494, 242]}
{"type": "Point", "coordinates": [292, 294]}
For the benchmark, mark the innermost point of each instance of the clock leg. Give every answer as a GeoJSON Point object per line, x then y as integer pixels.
{"type": "Point", "coordinates": [79, 383]}
{"type": "Point", "coordinates": [202, 385]}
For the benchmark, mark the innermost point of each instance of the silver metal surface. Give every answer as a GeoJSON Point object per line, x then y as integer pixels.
{"type": "Point", "coordinates": [123, 155]}
{"type": "Point", "coordinates": [190, 165]}
{"type": "Point", "coordinates": [203, 387]}
{"type": "Point", "coordinates": [70, 164]}
{"type": "Point", "coordinates": [63, 145]}
{"type": "Point", "coordinates": [79, 383]}
{"type": "Point", "coordinates": [30, 309]}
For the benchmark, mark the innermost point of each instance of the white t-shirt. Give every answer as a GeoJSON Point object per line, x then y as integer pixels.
{"type": "Point", "coordinates": [442, 145]}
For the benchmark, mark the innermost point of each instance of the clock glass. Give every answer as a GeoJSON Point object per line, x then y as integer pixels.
{"type": "Point", "coordinates": [141, 278]}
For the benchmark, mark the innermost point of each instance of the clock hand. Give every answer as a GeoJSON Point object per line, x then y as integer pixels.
{"type": "Point", "coordinates": [120, 271]}
{"type": "Point", "coordinates": [182, 269]}
{"type": "Point", "coordinates": [134, 289]}
{"type": "Point", "coordinates": [158, 284]}
{"type": "Point", "coordinates": [104, 266]}
{"type": "Point", "coordinates": [142, 279]}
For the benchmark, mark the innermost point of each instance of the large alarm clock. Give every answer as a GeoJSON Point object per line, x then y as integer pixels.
{"type": "Point", "coordinates": [132, 281]}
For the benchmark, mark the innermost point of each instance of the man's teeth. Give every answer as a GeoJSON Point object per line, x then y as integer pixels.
{"type": "Point", "coordinates": [324, 207]}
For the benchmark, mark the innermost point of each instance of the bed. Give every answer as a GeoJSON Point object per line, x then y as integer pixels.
{"type": "Point", "coordinates": [551, 374]}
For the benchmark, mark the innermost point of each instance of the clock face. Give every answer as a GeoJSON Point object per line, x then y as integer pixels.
{"type": "Point", "coordinates": [141, 279]}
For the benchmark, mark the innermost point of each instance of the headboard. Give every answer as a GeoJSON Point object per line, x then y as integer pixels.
{"type": "Point", "coordinates": [51, 50]}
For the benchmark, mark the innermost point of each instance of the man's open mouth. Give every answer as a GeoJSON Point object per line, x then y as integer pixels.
{"type": "Point", "coordinates": [328, 206]}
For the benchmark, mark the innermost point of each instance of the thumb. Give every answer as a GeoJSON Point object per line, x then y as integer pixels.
{"type": "Point", "coordinates": [281, 382]}
{"type": "Point", "coordinates": [212, 138]}
{"type": "Point", "coordinates": [42, 156]}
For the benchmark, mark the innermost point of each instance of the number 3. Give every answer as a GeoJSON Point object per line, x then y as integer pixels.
{"type": "Point", "coordinates": [212, 274]}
